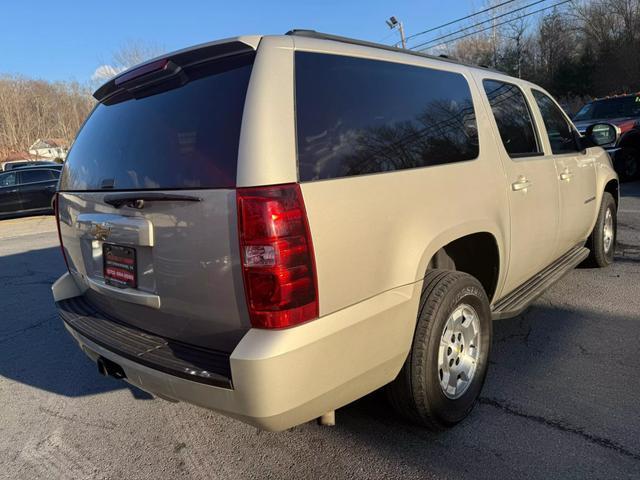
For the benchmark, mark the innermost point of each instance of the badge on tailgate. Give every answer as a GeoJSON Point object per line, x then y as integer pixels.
{"type": "Point", "coordinates": [119, 265]}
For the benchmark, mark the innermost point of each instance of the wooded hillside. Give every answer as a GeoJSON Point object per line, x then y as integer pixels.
{"type": "Point", "coordinates": [32, 109]}
{"type": "Point", "coordinates": [581, 49]}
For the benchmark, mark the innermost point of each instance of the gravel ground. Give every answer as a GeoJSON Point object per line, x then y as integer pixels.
{"type": "Point", "coordinates": [561, 398]}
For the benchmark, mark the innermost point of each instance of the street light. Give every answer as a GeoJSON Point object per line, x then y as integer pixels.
{"type": "Point", "coordinates": [394, 23]}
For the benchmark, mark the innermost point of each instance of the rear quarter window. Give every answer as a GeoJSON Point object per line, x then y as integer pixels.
{"type": "Point", "coordinates": [182, 138]}
{"type": "Point", "coordinates": [358, 116]}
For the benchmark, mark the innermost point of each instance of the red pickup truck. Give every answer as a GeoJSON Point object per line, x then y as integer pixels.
{"type": "Point", "coordinates": [623, 111]}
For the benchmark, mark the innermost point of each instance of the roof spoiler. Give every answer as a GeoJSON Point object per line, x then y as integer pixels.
{"type": "Point", "coordinates": [168, 66]}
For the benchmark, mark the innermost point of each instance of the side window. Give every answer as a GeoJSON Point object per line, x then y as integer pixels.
{"type": "Point", "coordinates": [359, 116]}
{"type": "Point", "coordinates": [513, 117]}
{"type": "Point", "coordinates": [559, 131]}
{"type": "Point", "coordinates": [8, 179]}
{"type": "Point", "coordinates": [35, 176]}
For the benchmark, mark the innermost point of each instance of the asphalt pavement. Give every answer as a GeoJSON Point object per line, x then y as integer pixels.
{"type": "Point", "coordinates": [561, 398]}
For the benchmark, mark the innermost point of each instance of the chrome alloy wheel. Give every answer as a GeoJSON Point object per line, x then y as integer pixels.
{"type": "Point", "coordinates": [607, 231]}
{"type": "Point", "coordinates": [459, 351]}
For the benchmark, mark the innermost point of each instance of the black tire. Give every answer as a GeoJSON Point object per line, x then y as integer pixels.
{"type": "Point", "coordinates": [627, 163]}
{"type": "Point", "coordinates": [416, 393]}
{"type": "Point", "coordinates": [600, 256]}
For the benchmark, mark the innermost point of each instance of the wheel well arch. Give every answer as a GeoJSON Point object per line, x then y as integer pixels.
{"type": "Point", "coordinates": [476, 254]}
{"type": "Point", "coordinates": [631, 138]}
{"type": "Point", "coordinates": [613, 188]}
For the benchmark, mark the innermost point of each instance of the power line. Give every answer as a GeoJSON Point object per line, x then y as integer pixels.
{"type": "Point", "coordinates": [479, 23]}
{"type": "Point", "coordinates": [485, 21]}
{"type": "Point", "coordinates": [497, 25]}
{"type": "Point", "coordinates": [459, 19]}
{"type": "Point", "coordinates": [387, 36]}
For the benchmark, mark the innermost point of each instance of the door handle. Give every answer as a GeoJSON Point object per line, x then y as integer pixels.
{"type": "Point", "coordinates": [521, 185]}
{"type": "Point", "coordinates": [566, 175]}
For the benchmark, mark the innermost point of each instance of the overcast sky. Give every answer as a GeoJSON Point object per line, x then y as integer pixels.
{"type": "Point", "coordinates": [68, 40]}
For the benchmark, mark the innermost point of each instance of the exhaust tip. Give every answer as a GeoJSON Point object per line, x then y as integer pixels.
{"type": "Point", "coordinates": [110, 369]}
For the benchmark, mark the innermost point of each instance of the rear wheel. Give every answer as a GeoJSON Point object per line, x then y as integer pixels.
{"type": "Point", "coordinates": [446, 367]}
{"type": "Point", "coordinates": [602, 241]}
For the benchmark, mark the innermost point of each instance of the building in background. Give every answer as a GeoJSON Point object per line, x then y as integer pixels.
{"type": "Point", "coordinates": [50, 149]}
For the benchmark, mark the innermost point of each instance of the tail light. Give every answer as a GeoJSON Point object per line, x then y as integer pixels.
{"type": "Point", "coordinates": [277, 256]}
{"type": "Point", "coordinates": [56, 211]}
{"type": "Point", "coordinates": [627, 125]}
{"type": "Point", "coordinates": [141, 71]}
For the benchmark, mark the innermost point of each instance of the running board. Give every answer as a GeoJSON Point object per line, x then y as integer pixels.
{"type": "Point", "coordinates": [518, 300]}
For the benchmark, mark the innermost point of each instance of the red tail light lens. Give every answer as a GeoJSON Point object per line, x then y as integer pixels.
{"type": "Point", "coordinates": [56, 211]}
{"type": "Point", "coordinates": [627, 125]}
{"type": "Point", "coordinates": [277, 256]}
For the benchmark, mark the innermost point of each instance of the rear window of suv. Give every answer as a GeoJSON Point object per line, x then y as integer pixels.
{"type": "Point", "coordinates": [182, 138]}
{"type": "Point", "coordinates": [358, 116]}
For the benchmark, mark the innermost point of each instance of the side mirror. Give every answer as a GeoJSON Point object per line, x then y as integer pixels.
{"type": "Point", "coordinates": [601, 134]}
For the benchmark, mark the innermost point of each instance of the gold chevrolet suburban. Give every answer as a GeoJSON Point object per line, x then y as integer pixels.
{"type": "Point", "coordinates": [272, 227]}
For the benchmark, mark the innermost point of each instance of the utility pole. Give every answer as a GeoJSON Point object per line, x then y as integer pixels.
{"type": "Point", "coordinates": [519, 52]}
{"type": "Point", "coordinates": [404, 42]}
{"type": "Point", "coordinates": [494, 40]}
{"type": "Point", "coordinates": [392, 23]}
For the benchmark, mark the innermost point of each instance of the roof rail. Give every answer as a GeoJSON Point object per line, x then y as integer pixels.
{"type": "Point", "coordinates": [364, 43]}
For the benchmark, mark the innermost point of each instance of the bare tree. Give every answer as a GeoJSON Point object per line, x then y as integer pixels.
{"type": "Point", "coordinates": [581, 49]}
{"type": "Point", "coordinates": [516, 32]}
{"type": "Point", "coordinates": [32, 109]}
{"type": "Point", "coordinates": [135, 51]}
{"type": "Point", "coordinates": [129, 54]}
{"type": "Point", "coordinates": [553, 45]}
{"type": "Point", "coordinates": [475, 49]}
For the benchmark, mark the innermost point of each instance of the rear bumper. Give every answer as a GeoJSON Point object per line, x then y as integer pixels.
{"type": "Point", "coordinates": [169, 356]}
{"type": "Point", "coordinates": [281, 378]}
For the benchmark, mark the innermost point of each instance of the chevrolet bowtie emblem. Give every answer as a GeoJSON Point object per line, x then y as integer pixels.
{"type": "Point", "coordinates": [101, 231]}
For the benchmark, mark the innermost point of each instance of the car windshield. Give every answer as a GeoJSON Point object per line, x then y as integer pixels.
{"type": "Point", "coordinates": [610, 108]}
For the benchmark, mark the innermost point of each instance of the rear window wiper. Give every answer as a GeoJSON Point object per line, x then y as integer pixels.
{"type": "Point", "coordinates": [138, 199]}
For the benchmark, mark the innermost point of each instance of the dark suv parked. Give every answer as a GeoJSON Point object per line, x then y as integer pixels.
{"type": "Point", "coordinates": [623, 111]}
{"type": "Point", "coordinates": [27, 190]}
